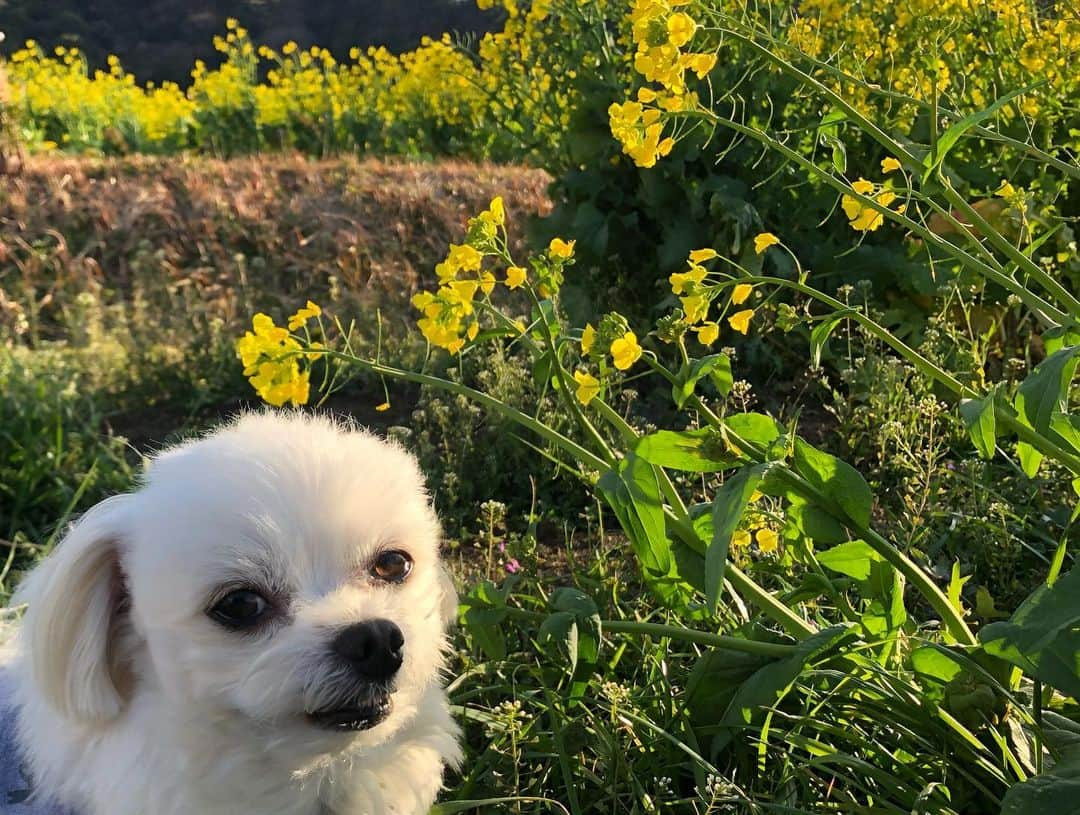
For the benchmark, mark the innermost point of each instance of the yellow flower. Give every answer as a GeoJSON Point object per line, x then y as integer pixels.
{"type": "Point", "coordinates": [560, 248]}
{"type": "Point", "coordinates": [740, 539]}
{"type": "Point", "coordinates": [681, 29]}
{"type": "Point", "coordinates": [764, 241]}
{"type": "Point", "coordinates": [588, 386]}
{"type": "Point", "coordinates": [462, 258]}
{"type": "Point", "coordinates": [707, 333]}
{"type": "Point", "coordinates": [496, 213]}
{"type": "Point", "coordinates": [701, 64]}
{"type": "Point", "coordinates": [1010, 194]}
{"type": "Point", "coordinates": [303, 315]}
{"type": "Point", "coordinates": [865, 218]}
{"type": "Point", "coordinates": [271, 360]}
{"type": "Point", "coordinates": [862, 186]}
{"type": "Point", "coordinates": [625, 351]}
{"type": "Point", "coordinates": [702, 255]}
{"type": "Point", "coordinates": [889, 164]}
{"type": "Point", "coordinates": [740, 320]}
{"type": "Point", "coordinates": [740, 293]}
{"type": "Point", "coordinates": [383, 407]}
{"type": "Point", "coordinates": [696, 307]}
{"type": "Point", "coordinates": [680, 280]}
{"type": "Point", "coordinates": [515, 277]}
{"type": "Point", "coordinates": [472, 331]}
{"type": "Point", "coordinates": [767, 539]}
{"type": "Point", "coordinates": [588, 337]}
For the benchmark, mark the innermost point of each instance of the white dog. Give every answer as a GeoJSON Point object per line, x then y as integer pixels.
{"type": "Point", "coordinates": [258, 629]}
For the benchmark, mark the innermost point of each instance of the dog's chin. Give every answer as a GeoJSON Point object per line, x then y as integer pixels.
{"type": "Point", "coordinates": [355, 717]}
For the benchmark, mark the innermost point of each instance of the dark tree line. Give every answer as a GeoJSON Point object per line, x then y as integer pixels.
{"type": "Point", "coordinates": [161, 39]}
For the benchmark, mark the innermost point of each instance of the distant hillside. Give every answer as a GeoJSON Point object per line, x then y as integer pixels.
{"type": "Point", "coordinates": [161, 39]}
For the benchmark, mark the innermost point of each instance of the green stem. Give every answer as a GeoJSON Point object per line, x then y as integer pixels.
{"type": "Point", "coordinates": [1046, 312]}
{"type": "Point", "coordinates": [929, 369]}
{"type": "Point", "coordinates": [587, 457]}
{"type": "Point", "coordinates": [901, 562]}
{"type": "Point", "coordinates": [765, 649]}
{"type": "Point", "coordinates": [564, 387]}
{"type": "Point", "coordinates": [1023, 262]}
{"type": "Point", "coordinates": [678, 520]}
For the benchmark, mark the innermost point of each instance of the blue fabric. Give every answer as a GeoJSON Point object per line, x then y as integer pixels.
{"type": "Point", "coordinates": [17, 793]}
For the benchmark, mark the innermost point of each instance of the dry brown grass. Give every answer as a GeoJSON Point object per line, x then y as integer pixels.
{"type": "Point", "coordinates": [227, 237]}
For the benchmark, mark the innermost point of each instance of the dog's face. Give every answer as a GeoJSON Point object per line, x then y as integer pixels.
{"type": "Point", "coordinates": [281, 574]}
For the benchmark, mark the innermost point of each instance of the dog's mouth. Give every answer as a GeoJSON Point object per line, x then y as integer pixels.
{"type": "Point", "coordinates": [354, 717]}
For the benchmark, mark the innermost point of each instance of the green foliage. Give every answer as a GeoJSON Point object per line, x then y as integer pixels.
{"type": "Point", "coordinates": [55, 460]}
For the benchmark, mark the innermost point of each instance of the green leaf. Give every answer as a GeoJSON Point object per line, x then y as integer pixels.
{"type": "Point", "coordinates": [755, 427]}
{"type": "Point", "coordinates": [956, 585]}
{"type": "Point", "coordinates": [981, 423]}
{"type": "Point", "coordinates": [633, 494]}
{"type": "Point", "coordinates": [576, 602]}
{"type": "Point", "coordinates": [770, 682]}
{"type": "Point", "coordinates": [728, 505]}
{"type": "Point", "coordinates": [952, 135]}
{"type": "Point", "coordinates": [985, 606]}
{"type": "Point", "coordinates": [821, 332]}
{"type": "Point", "coordinates": [561, 628]}
{"type": "Point", "coordinates": [1046, 390]}
{"type": "Point", "coordinates": [829, 131]}
{"type": "Point", "coordinates": [813, 522]}
{"type": "Point", "coordinates": [837, 479]}
{"type": "Point", "coordinates": [856, 559]}
{"type": "Point", "coordinates": [935, 662]}
{"type": "Point", "coordinates": [693, 451]}
{"type": "Point", "coordinates": [1043, 636]}
{"type": "Point", "coordinates": [714, 680]}
{"type": "Point", "coordinates": [1030, 458]}
{"type": "Point", "coordinates": [1056, 338]}
{"type": "Point", "coordinates": [879, 583]}
{"type": "Point", "coordinates": [1056, 791]}
{"type": "Point", "coordinates": [1067, 426]}
{"type": "Point", "coordinates": [575, 627]}
{"type": "Point", "coordinates": [485, 626]}
{"type": "Point", "coordinates": [716, 366]}
{"type": "Point", "coordinates": [541, 370]}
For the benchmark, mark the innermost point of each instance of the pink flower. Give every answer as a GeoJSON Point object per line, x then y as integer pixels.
{"type": "Point", "coordinates": [512, 566]}
{"type": "Point", "coordinates": [502, 546]}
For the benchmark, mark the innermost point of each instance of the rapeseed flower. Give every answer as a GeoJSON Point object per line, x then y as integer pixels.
{"type": "Point", "coordinates": [588, 386]}
{"type": "Point", "coordinates": [625, 351]}
{"type": "Point", "coordinates": [740, 320]}
{"type": "Point", "coordinates": [764, 241]}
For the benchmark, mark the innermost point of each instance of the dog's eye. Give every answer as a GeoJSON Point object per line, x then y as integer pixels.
{"type": "Point", "coordinates": [240, 609]}
{"type": "Point", "coordinates": [393, 566]}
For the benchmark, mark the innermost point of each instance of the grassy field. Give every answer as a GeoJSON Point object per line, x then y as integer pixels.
{"type": "Point", "coordinates": [750, 416]}
{"type": "Point", "coordinates": [125, 283]}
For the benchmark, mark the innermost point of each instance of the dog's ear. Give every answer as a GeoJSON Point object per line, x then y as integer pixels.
{"type": "Point", "coordinates": [448, 602]}
{"type": "Point", "coordinates": [72, 627]}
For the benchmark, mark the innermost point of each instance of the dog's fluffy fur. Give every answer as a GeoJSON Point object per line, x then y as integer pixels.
{"type": "Point", "coordinates": [133, 701]}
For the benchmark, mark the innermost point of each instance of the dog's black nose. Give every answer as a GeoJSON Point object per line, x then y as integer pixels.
{"type": "Point", "coordinates": [372, 647]}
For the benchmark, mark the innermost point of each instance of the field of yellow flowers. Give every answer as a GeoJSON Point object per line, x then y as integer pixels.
{"type": "Point", "coordinates": [755, 436]}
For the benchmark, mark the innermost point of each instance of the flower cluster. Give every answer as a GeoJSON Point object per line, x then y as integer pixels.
{"type": "Point", "coordinates": [983, 49]}
{"type": "Point", "coordinates": [696, 295]}
{"type": "Point", "coordinates": [451, 314]}
{"type": "Point", "coordinates": [660, 32]}
{"type": "Point", "coordinates": [273, 358]}
{"type": "Point", "coordinates": [861, 216]}
{"type": "Point", "coordinates": [612, 344]}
